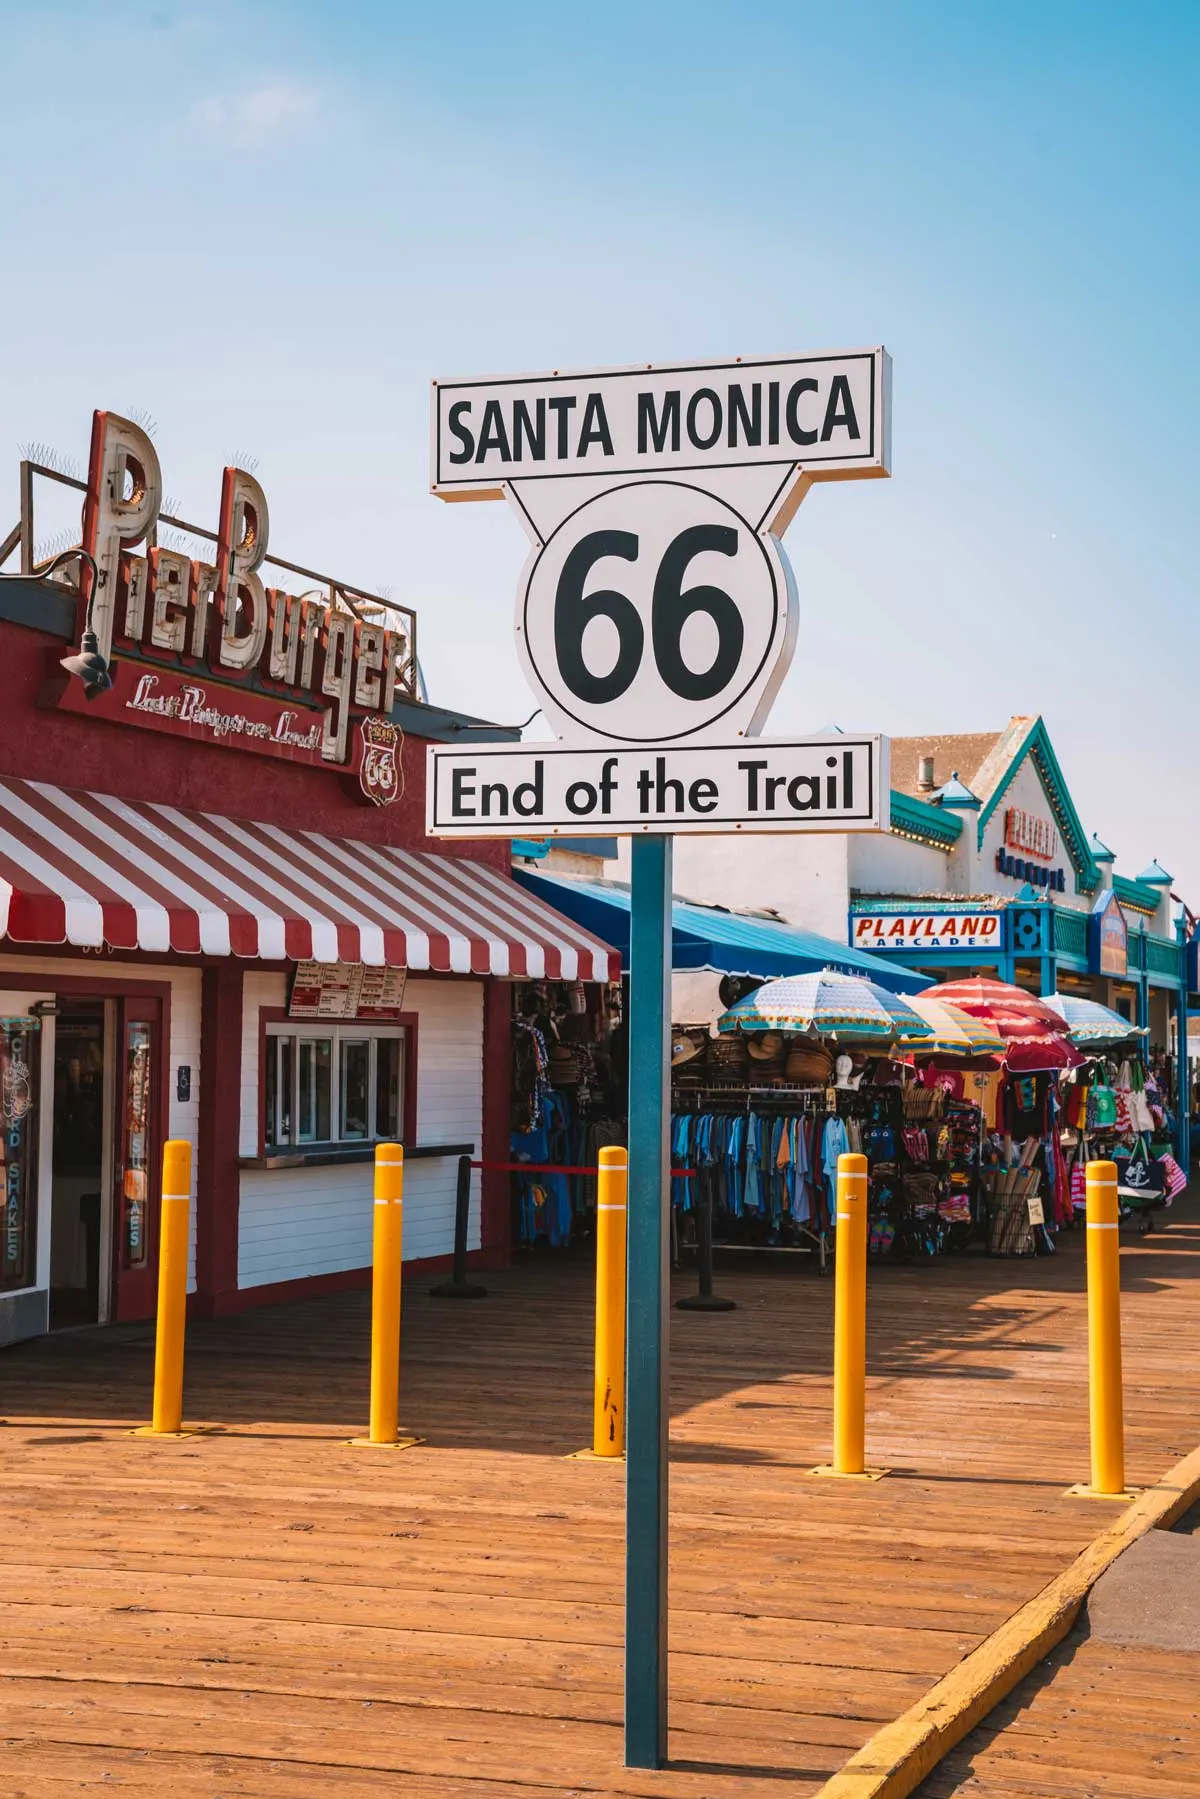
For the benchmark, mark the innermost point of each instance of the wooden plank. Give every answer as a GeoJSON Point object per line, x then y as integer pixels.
{"type": "Point", "coordinates": [448, 1622]}
{"type": "Point", "coordinates": [1095, 1719]}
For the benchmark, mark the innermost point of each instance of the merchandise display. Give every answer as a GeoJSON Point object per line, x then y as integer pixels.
{"type": "Point", "coordinates": [569, 1073]}
{"type": "Point", "coordinates": [1119, 1111]}
{"type": "Point", "coordinates": [963, 1149]}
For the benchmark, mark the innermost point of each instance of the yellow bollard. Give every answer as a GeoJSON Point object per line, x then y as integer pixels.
{"type": "Point", "coordinates": [608, 1418]}
{"type": "Point", "coordinates": [850, 1325]}
{"type": "Point", "coordinates": [171, 1322]}
{"type": "Point", "coordinates": [385, 1302]}
{"type": "Point", "coordinates": [387, 1258]}
{"type": "Point", "coordinates": [850, 1318]}
{"type": "Point", "coordinates": [1105, 1393]}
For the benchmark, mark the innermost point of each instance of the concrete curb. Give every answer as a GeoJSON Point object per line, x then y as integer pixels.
{"type": "Point", "coordinates": [894, 1762]}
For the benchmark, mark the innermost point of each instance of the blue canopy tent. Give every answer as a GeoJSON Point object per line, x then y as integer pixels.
{"type": "Point", "coordinates": [710, 937]}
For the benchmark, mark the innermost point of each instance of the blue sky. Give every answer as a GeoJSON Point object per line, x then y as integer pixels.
{"type": "Point", "coordinates": [270, 226]}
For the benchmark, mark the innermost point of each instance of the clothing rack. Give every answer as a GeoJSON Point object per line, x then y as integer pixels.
{"type": "Point", "coordinates": [733, 1097]}
{"type": "Point", "coordinates": [813, 1099]}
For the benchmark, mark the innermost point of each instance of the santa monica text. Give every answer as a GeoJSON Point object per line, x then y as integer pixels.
{"type": "Point", "coordinates": [816, 410]}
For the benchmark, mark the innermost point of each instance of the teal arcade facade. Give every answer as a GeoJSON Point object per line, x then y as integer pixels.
{"type": "Point", "coordinates": [988, 870]}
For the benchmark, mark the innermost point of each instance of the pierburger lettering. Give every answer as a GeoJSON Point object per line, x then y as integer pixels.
{"type": "Point", "coordinates": [218, 617]}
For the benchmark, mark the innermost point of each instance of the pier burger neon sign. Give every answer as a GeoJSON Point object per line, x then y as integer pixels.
{"type": "Point", "coordinates": [213, 653]}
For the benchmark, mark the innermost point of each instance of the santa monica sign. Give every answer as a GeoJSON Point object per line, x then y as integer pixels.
{"type": "Point", "coordinates": [828, 412]}
{"type": "Point", "coordinates": [656, 617]}
{"type": "Point", "coordinates": [657, 607]}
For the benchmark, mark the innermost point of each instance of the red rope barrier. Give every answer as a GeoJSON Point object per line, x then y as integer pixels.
{"type": "Point", "coordinates": [556, 1168]}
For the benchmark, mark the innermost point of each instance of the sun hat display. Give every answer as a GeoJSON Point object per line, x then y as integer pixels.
{"type": "Point", "coordinates": [727, 1055]}
{"type": "Point", "coordinates": [808, 1064]}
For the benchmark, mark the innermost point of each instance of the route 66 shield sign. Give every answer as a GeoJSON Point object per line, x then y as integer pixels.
{"type": "Point", "coordinates": [381, 769]}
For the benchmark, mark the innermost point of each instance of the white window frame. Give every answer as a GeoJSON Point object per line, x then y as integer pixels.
{"type": "Point", "coordinates": [337, 1035]}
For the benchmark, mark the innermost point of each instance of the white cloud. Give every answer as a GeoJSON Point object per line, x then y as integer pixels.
{"type": "Point", "coordinates": [256, 116]}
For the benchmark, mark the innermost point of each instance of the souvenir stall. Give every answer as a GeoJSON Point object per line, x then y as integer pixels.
{"type": "Point", "coordinates": [933, 1200]}
{"type": "Point", "coordinates": [800, 1072]}
{"type": "Point", "coordinates": [568, 1100]}
{"type": "Point", "coordinates": [569, 1068]}
{"type": "Point", "coordinates": [1116, 1109]}
{"type": "Point", "coordinates": [1024, 1190]}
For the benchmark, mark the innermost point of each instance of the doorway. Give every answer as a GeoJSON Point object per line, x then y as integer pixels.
{"type": "Point", "coordinates": [79, 1287]}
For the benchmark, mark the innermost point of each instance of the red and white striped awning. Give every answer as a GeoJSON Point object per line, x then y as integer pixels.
{"type": "Point", "coordinates": [92, 870]}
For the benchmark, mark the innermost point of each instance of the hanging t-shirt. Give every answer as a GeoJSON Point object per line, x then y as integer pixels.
{"type": "Point", "coordinates": [947, 1080]}
{"type": "Point", "coordinates": [1025, 1106]}
{"type": "Point", "coordinates": [982, 1088]}
{"type": "Point", "coordinates": [834, 1143]}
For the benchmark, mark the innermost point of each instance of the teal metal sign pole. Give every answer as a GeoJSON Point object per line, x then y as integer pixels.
{"type": "Point", "coordinates": [649, 1268]}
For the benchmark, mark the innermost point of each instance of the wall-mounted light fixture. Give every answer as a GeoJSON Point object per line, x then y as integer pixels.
{"type": "Point", "coordinates": [88, 664]}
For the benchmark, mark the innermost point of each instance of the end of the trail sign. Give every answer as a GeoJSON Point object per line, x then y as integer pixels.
{"type": "Point", "coordinates": [826, 412]}
{"type": "Point", "coordinates": [756, 785]}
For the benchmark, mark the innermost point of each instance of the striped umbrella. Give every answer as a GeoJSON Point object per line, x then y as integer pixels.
{"type": "Point", "coordinates": [1093, 1026]}
{"type": "Point", "coordinates": [956, 1032]}
{"type": "Point", "coordinates": [829, 1004]}
{"type": "Point", "coordinates": [1036, 1039]}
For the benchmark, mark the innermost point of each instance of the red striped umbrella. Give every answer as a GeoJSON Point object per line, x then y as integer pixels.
{"type": "Point", "coordinates": [1037, 1038]}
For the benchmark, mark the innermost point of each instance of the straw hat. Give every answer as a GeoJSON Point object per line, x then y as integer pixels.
{"type": "Point", "coordinates": [728, 1054]}
{"type": "Point", "coordinates": [683, 1049]}
{"type": "Point", "coordinates": [767, 1047]}
{"type": "Point", "coordinates": [809, 1062]}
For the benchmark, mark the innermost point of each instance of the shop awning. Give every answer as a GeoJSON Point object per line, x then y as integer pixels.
{"type": "Point", "coordinates": [92, 870]}
{"type": "Point", "coordinates": [709, 937]}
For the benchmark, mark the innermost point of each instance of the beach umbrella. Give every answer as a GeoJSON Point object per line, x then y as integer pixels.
{"type": "Point", "coordinates": [956, 1033]}
{"type": "Point", "coordinates": [1091, 1025]}
{"type": "Point", "coordinates": [845, 1007]}
{"type": "Point", "coordinates": [1036, 1039]}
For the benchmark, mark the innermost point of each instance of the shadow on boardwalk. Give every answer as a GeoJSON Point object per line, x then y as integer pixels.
{"type": "Point", "coordinates": [516, 1367]}
{"type": "Point", "coordinates": [267, 1611]}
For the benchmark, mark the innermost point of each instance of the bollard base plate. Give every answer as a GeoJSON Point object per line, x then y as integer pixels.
{"type": "Point", "coordinates": [1084, 1490]}
{"type": "Point", "coordinates": [165, 1436]}
{"type": "Point", "coordinates": [400, 1443]}
{"type": "Point", "coordinates": [589, 1455]}
{"type": "Point", "coordinates": [827, 1471]}
{"type": "Point", "coordinates": [705, 1302]}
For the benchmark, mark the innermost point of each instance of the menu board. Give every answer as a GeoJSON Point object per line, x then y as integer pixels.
{"type": "Point", "coordinates": [346, 990]}
{"type": "Point", "coordinates": [380, 992]}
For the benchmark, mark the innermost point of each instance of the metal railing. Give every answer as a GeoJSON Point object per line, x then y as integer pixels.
{"type": "Point", "coordinates": [1070, 932]}
{"type": "Point", "coordinates": [364, 606]}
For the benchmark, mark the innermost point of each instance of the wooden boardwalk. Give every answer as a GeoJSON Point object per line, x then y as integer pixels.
{"type": "Point", "coordinates": [268, 1611]}
{"type": "Point", "coordinates": [1096, 1722]}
